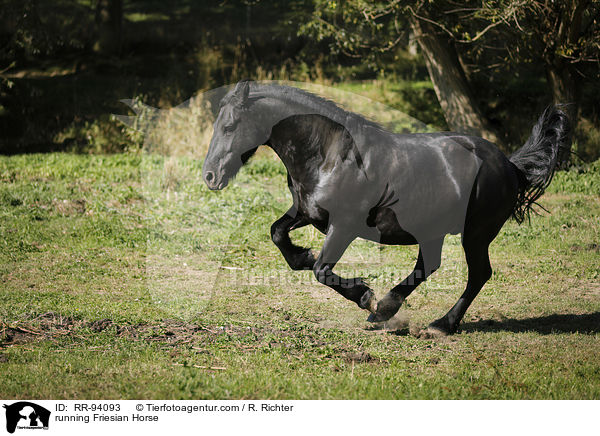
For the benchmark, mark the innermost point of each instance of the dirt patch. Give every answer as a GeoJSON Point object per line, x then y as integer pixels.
{"type": "Point", "coordinates": [42, 327]}
{"type": "Point", "coordinates": [360, 357]}
{"type": "Point", "coordinates": [587, 247]}
{"type": "Point", "coordinates": [69, 207]}
{"type": "Point", "coordinates": [100, 325]}
{"type": "Point", "coordinates": [17, 335]}
{"type": "Point", "coordinates": [295, 341]}
{"type": "Point", "coordinates": [51, 325]}
{"type": "Point", "coordinates": [52, 320]}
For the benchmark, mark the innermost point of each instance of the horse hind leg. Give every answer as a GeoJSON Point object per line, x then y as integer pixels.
{"type": "Point", "coordinates": [428, 261]}
{"type": "Point", "coordinates": [480, 271]}
{"type": "Point", "coordinates": [492, 201]}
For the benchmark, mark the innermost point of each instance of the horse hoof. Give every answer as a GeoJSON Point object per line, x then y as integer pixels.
{"type": "Point", "coordinates": [375, 317]}
{"type": "Point", "coordinates": [386, 308]}
{"type": "Point", "coordinates": [369, 301]}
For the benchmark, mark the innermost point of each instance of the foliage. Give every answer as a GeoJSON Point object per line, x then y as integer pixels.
{"type": "Point", "coordinates": [584, 179]}
{"type": "Point", "coordinates": [39, 29]}
{"type": "Point", "coordinates": [498, 42]}
{"type": "Point", "coordinates": [57, 94]}
{"type": "Point", "coordinates": [358, 29]}
{"type": "Point", "coordinates": [492, 34]}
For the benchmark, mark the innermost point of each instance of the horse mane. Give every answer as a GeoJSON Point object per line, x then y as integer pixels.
{"type": "Point", "coordinates": [323, 106]}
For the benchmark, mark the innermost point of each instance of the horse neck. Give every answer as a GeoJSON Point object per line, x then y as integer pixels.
{"type": "Point", "coordinates": [291, 142]}
{"type": "Point", "coordinates": [298, 142]}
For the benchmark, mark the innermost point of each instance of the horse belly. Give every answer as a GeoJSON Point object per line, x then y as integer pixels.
{"type": "Point", "coordinates": [390, 231]}
{"type": "Point", "coordinates": [434, 194]}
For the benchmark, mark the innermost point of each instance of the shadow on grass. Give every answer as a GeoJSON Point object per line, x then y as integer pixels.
{"type": "Point", "coordinates": [560, 323]}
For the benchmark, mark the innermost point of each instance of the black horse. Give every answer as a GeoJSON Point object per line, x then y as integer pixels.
{"type": "Point", "coordinates": [351, 178]}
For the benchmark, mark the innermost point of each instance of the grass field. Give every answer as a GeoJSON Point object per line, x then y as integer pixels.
{"type": "Point", "coordinates": [123, 277]}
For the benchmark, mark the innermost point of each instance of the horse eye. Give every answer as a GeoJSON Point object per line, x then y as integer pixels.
{"type": "Point", "coordinates": [229, 128]}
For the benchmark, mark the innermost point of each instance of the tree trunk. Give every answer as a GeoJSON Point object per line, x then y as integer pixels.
{"type": "Point", "coordinates": [460, 108]}
{"type": "Point", "coordinates": [565, 89]}
{"type": "Point", "coordinates": [560, 73]}
{"type": "Point", "coordinates": [109, 19]}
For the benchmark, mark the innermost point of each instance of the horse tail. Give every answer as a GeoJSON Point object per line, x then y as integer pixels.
{"type": "Point", "coordinates": [537, 160]}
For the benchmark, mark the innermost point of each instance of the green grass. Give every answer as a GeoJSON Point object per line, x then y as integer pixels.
{"type": "Point", "coordinates": [124, 277]}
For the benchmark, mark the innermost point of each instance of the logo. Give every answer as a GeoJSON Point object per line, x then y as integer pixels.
{"type": "Point", "coordinates": [26, 415]}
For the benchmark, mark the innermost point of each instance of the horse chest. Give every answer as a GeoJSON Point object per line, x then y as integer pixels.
{"type": "Point", "coordinates": [307, 203]}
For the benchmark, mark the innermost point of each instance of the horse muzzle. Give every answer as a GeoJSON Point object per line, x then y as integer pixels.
{"type": "Point", "coordinates": [213, 182]}
{"type": "Point", "coordinates": [214, 179]}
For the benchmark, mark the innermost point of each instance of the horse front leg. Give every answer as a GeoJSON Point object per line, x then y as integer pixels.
{"type": "Point", "coordinates": [354, 289]}
{"type": "Point", "coordinates": [298, 258]}
{"type": "Point", "coordinates": [428, 261]}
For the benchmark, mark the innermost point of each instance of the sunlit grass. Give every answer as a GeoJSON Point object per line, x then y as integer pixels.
{"type": "Point", "coordinates": [187, 280]}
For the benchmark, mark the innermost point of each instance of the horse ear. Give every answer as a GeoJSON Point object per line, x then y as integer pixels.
{"type": "Point", "coordinates": [242, 90]}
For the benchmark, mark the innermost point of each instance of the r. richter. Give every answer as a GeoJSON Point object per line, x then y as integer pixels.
{"type": "Point", "coordinates": [276, 408]}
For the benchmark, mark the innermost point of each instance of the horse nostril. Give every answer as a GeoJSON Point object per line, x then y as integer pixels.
{"type": "Point", "coordinates": [209, 176]}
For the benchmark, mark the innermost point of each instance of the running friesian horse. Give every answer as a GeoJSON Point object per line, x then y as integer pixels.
{"type": "Point", "coordinates": [351, 178]}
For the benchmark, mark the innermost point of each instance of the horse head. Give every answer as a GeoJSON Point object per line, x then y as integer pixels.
{"type": "Point", "coordinates": [239, 129]}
